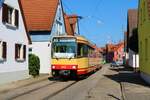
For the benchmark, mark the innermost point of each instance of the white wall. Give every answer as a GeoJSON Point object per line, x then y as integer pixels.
{"type": "Point", "coordinates": [77, 28]}
{"type": "Point", "coordinates": [133, 59]}
{"type": "Point", "coordinates": [126, 58]}
{"type": "Point", "coordinates": [43, 51]}
{"type": "Point", "coordinates": [54, 28]}
{"type": "Point", "coordinates": [12, 36]}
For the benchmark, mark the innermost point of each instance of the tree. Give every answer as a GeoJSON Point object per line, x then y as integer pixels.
{"type": "Point", "coordinates": [34, 65]}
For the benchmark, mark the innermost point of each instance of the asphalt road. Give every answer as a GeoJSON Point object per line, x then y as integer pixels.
{"type": "Point", "coordinates": [57, 90]}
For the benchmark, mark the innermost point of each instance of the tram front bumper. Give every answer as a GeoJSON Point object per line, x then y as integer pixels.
{"type": "Point", "coordinates": [64, 70]}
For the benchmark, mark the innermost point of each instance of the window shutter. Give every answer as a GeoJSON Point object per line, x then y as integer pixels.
{"type": "Point", "coordinates": [4, 50]}
{"type": "Point", "coordinates": [5, 14]}
{"type": "Point", "coordinates": [24, 52]}
{"type": "Point", "coordinates": [16, 51]}
{"type": "Point", "coordinates": [16, 18]}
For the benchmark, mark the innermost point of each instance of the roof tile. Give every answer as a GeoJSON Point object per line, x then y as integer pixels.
{"type": "Point", "coordinates": [39, 14]}
{"type": "Point", "coordinates": [70, 23]}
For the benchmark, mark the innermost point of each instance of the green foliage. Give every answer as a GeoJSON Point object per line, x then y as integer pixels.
{"type": "Point", "coordinates": [34, 65]}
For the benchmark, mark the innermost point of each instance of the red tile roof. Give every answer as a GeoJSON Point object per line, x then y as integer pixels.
{"type": "Point", "coordinates": [70, 22]}
{"type": "Point", "coordinates": [25, 25]}
{"type": "Point", "coordinates": [39, 14]}
{"type": "Point", "coordinates": [114, 47]}
{"type": "Point", "coordinates": [119, 45]}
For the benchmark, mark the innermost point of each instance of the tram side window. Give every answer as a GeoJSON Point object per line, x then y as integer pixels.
{"type": "Point", "coordinates": [91, 52]}
{"type": "Point", "coordinates": [82, 50]}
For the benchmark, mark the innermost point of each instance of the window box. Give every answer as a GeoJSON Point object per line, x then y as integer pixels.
{"type": "Point", "coordinates": [20, 60]}
{"type": "Point", "coordinates": [11, 26]}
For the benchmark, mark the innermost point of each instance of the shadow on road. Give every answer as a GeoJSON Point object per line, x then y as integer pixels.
{"type": "Point", "coordinates": [60, 79]}
{"type": "Point", "coordinates": [126, 75]}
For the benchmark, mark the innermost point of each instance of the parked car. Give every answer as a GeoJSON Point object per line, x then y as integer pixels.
{"type": "Point", "coordinates": [116, 63]}
{"type": "Point", "coordinates": [119, 63]}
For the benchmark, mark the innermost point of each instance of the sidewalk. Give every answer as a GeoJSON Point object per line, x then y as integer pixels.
{"type": "Point", "coordinates": [17, 84]}
{"type": "Point", "coordinates": [120, 84]}
{"type": "Point", "coordinates": [108, 87]}
{"type": "Point", "coordinates": [134, 88]}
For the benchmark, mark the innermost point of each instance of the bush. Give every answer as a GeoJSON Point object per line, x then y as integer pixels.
{"type": "Point", "coordinates": [34, 65]}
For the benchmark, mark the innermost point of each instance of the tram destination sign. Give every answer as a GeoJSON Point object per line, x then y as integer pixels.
{"type": "Point", "coordinates": [64, 40]}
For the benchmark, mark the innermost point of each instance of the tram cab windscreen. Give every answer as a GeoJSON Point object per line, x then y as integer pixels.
{"type": "Point", "coordinates": [64, 48]}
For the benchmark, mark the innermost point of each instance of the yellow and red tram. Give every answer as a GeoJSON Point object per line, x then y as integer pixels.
{"type": "Point", "coordinates": [73, 56]}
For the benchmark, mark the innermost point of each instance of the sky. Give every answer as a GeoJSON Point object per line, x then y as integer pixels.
{"type": "Point", "coordinates": [1, 3]}
{"type": "Point", "coordinates": [104, 21]}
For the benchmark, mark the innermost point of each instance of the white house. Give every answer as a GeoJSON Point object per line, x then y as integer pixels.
{"type": "Point", "coordinates": [44, 20]}
{"type": "Point", "coordinates": [14, 42]}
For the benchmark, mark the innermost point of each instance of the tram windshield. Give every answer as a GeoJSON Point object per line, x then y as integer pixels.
{"type": "Point", "coordinates": [64, 49]}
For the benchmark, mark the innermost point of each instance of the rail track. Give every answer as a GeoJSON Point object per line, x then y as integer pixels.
{"type": "Point", "coordinates": [35, 90]}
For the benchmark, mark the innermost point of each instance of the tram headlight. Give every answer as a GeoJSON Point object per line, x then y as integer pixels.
{"type": "Point", "coordinates": [53, 67]}
{"type": "Point", "coordinates": [74, 67]}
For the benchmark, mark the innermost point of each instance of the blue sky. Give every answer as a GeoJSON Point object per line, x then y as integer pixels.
{"type": "Point", "coordinates": [103, 20]}
{"type": "Point", "coordinates": [1, 3]}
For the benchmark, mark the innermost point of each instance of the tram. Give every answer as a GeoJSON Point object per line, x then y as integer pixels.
{"type": "Point", "coordinates": [73, 56]}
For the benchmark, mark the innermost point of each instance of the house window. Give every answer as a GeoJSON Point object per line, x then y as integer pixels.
{"type": "Point", "coordinates": [148, 6]}
{"type": "Point", "coordinates": [20, 52]}
{"type": "Point", "coordinates": [59, 16]}
{"type": "Point", "coordinates": [144, 12]}
{"type": "Point", "coordinates": [141, 51]}
{"type": "Point", "coordinates": [3, 51]}
{"type": "Point", "coordinates": [58, 27]}
{"type": "Point", "coordinates": [146, 49]}
{"type": "Point", "coordinates": [30, 49]}
{"type": "Point", "coordinates": [141, 15]}
{"type": "Point", "coordinates": [10, 16]}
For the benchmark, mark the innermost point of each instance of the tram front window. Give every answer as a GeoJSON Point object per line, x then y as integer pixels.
{"type": "Point", "coordinates": [64, 50]}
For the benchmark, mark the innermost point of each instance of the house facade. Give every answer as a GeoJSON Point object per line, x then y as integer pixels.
{"type": "Point", "coordinates": [44, 21]}
{"type": "Point", "coordinates": [109, 52]}
{"type": "Point", "coordinates": [14, 42]}
{"type": "Point", "coordinates": [144, 39]}
{"type": "Point", "coordinates": [132, 55]}
{"type": "Point", "coordinates": [71, 24]}
{"type": "Point", "coordinates": [119, 54]}
{"type": "Point", "coordinates": [115, 52]}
